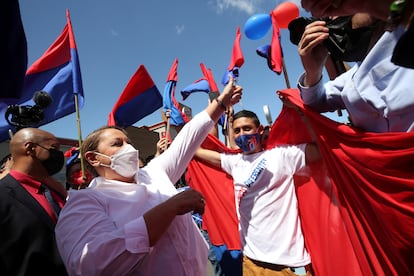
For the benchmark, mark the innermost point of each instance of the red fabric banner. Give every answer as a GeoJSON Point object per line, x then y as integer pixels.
{"type": "Point", "coordinates": [357, 208]}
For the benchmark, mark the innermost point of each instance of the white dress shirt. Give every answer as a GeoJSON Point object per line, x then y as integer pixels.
{"type": "Point", "coordinates": [101, 230]}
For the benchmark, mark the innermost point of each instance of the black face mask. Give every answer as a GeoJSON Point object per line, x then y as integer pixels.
{"type": "Point", "coordinates": [343, 43]}
{"type": "Point", "coordinates": [403, 51]}
{"type": "Point", "coordinates": [54, 163]}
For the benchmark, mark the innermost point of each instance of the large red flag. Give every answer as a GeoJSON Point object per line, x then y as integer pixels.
{"type": "Point", "coordinates": [371, 197]}
{"type": "Point", "coordinates": [357, 208]}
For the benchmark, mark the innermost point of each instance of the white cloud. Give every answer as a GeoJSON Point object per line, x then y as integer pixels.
{"type": "Point", "coordinates": [179, 29]}
{"type": "Point", "coordinates": [113, 32]}
{"type": "Point", "coordinates": [247, 6]}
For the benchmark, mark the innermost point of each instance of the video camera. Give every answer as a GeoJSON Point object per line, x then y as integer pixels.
{"type": "Point", "coordinates": [25, 115]}
{"type": "Point", "coordinates": [344, 43]}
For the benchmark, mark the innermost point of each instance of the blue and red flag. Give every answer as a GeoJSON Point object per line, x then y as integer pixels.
{"type": "Point", "coordinates": [140, 98]}
{"type": "Point", "coordinates": [273, 52]}
{"type": "Point", "coordinates": [206, 84]}
{"type": "Point", "coordinates": [214, 91]}
{"type": "Point", "coordinates": [208, 75]}
{"type": "Point", "coordinates": [177, 118]}
{"type": "Point", "coordinates": [237, 60]}
{"type": "Point", "coordinates": [56, 72]}
{"type": "Point", "coordinates": [200, 85]}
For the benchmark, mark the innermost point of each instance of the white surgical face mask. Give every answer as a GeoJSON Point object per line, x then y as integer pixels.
{"type": "Point", "coordinates": [124, 161]}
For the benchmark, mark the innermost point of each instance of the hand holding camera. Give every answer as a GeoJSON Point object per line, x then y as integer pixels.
{"type": "Point", "coordinates": [312, 51]}
{"type": "Point", "coordinates": [345, 38]}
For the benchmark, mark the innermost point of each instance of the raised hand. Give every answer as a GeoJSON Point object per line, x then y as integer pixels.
{"type": "Point", "coordinates": [312, 52]}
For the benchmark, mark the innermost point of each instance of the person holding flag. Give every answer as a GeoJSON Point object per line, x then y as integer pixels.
{"type": "Point", "coordinates": [132, 221]}
{"type": "Point", "coordinates": [269, 224]}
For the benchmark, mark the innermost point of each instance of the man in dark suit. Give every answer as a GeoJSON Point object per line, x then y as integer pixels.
{"type": "Point", "coordinates": [30, 201]}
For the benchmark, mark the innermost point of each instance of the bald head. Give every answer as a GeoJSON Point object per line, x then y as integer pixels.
{"type": "Point", "coordinates": [35, 152]}
{"type": "Point", "coordinates": [28, 148]}
{"type": "Point", "coordinates": [25, 136]}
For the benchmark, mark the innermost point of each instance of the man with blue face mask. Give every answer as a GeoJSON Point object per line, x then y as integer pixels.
{"type": "Point", "coordinates": [269, 224]}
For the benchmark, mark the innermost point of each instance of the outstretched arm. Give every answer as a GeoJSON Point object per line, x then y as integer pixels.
{"type": "Point", "coordinates": [210, 156]}
{"type": "Point", "coordinates": [194, 133]}
{"type": "Point", "coordinates": [312, 153]}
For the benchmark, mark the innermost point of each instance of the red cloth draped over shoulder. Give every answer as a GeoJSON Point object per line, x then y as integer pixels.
{"type": "Point", "coordinates": [357, 208]}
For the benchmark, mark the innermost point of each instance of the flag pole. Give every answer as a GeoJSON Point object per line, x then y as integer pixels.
{"type": "Point", "coordinates": [225, 129]}
{"type": "Point", "coordinates": [285, 73]}
{"type": "Point", "coordinates": [167, 132]}
{"type": "Point", "coordinates": [79, 139]}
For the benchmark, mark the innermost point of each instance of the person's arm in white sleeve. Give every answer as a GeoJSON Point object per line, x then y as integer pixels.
{"type": "Point", "coordinates": [176, 158]}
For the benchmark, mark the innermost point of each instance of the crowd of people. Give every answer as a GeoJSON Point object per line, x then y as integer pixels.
{"type": "Point", "coordinates": [122, 215]}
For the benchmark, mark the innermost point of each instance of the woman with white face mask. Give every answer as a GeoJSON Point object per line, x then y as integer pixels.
{"type": "Point", "coordinates": [132, 221]}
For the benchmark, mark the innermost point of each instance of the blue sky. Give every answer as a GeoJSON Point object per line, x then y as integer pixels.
{"type": "Point", "coordinates": [114, 37]}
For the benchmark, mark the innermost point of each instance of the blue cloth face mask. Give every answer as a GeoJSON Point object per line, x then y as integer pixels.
{"type": "Point", "coordinates": [248, 142]}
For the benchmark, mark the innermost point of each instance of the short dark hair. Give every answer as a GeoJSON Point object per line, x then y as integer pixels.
{"type": "Point", "coordinates": [247, 114]}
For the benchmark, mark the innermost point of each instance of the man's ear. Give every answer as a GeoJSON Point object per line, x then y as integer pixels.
{"type": "Point", "coordinates": [29, 148]}
{"type": "Point", "coordinates": [260, 129]}
{"type": "Point", "coordinates": [91, 159]}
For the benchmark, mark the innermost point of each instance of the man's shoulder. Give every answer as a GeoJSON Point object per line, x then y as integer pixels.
{"type": "Point", "coordinates": [286, 149]}
{"type": "Point", "coordinates": [231, 155]}
{"type": "Point", "coordinates": [7, 182]}
{"type": "Point", "coordinates": [8, 191]}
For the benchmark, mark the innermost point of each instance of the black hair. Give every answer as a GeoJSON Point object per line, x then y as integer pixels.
{"type": "Point", "coordinates": [247, 114]}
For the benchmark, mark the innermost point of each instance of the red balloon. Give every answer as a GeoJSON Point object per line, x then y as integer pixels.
{"type": "Point", "coordinates": [284, 13]}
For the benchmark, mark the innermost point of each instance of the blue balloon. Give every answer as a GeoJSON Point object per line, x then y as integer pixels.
{"type": "Point", "coordinates": [257, 26]}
